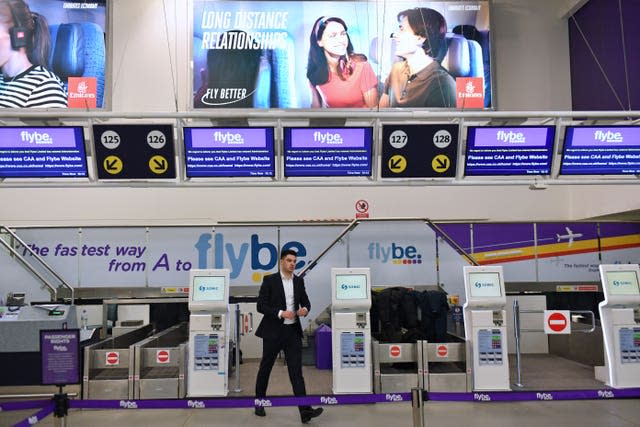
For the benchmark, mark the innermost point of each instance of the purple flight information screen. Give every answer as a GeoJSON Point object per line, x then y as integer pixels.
{"type": "Point", "coordinates": [601, 150]}
{"type": "Point", "coordinates": [520, 150]}
{"type": "Point", "coordinates": [310, 152]}
{"type": "Point", "coordinates": [229, 152]}
{"type": "Point", "coordinates": [42, 152]}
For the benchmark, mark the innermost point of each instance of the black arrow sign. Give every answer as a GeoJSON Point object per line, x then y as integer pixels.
{"type": "Point", "coordinates": [111, 165]}
{"type": "Point", "coordinates": [395, 164]}
{"type": "Point", "coordinates": [442, 163]}
{"type": "Point", "coordinates": [159, 164]}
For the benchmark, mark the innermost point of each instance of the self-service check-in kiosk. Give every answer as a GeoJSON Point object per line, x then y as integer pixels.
{"type": "Point", "coordinates": [351, 330]}
{"type": "Point", "coordinates": [485, 328]}
{"type": "Point", "coordinates": [208, 333]}
{"type": "Point", "coordinates": [620, 331]}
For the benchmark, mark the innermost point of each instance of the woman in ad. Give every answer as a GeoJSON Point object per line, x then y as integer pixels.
{"type": "Point", "coordinates": [339, 78]}
{"type": "Point", "coordinates": [24, 49]}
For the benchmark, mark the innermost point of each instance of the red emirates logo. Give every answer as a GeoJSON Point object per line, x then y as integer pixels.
{"type": "Point", "coordinates": [469, 92]}
{"type": "Point", "coordinates": [82, 92]}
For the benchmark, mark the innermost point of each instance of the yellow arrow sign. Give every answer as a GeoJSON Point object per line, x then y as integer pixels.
{"type": "Point", "coordinates": [397, 164]}
{"type": "Point", "coordinates": [158, 164]}
{"type": "Point", "coordinates": [440, 163]}
{"type": "Point", "coordinates": [112, 164]}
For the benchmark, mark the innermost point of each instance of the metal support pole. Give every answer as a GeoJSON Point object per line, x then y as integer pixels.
{"type": "Point", "coordinates": [417, 407]}
{"type": "Point", "coordinates": [238, 389]}
{"type": "Point", "coordinates": [516, 331]}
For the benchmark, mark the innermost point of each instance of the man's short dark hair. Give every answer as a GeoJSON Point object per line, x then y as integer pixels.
{"type": "Point", "coordinates": [286, 252]}
{"type": "Point", "coordinates": [431, 25]}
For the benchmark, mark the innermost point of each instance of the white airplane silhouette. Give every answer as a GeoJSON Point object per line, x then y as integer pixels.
{"type": "Point", "coordinates": [570, 236]}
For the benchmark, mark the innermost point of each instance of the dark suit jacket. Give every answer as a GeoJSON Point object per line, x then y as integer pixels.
{"type": "Point", "coordinates": [271, 300]}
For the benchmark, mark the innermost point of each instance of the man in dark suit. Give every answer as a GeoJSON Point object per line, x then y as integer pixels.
{"type": "Point", "coordinates": [283, 300]}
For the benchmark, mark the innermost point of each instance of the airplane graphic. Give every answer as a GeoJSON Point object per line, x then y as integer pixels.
{"type": "Point", "coordinates": [569, 236]}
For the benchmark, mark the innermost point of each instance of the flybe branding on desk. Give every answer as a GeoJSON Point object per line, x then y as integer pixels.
{"type": "Point", "coordinates": [34, 137]}
{"type": "Point", "coordinates": [394, 253]}
{"type": "Point", "coordinates": [317, 138]}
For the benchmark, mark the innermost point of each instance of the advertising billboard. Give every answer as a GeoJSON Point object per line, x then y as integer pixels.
{"type": "Point", "coordinates": [55, 54]}
{"type": "Point", "coordinates": [339, 54]}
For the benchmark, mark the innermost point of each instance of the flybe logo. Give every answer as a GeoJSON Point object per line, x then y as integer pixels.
{"type": "Point", "coordinates": [36, 137]}
{"type": "Point", "coordinates": [395, 253]}
{"type": "Point", "coordinates": [511, 137]}
{"type": "Point", "coordinates": [256, 254]}
{"type": "Point", "coordinates": [228, 137]}
{"type": "Point", "coordinates": [327, 137]}
{"type": "Point", "coordinates": [607, 136]}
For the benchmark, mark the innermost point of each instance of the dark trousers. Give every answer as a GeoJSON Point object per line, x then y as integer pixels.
{"type": "Point", "coordinates": [291, 343]}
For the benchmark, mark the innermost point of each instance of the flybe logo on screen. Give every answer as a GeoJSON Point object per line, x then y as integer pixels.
{"type": "Point", "coordinates": [35, 137]}
{"type": "Point", "coordinates": [483, 284]}
{"type": "Point", "coordinates": [394, 253]}
{"type": "Point", "coordinates": [607, 136]}
{"type": "Point", "coordinates": [327, 138]}
{"type": "Point", "coordinates": [256, 254]}
{"type": "Point", "coordinates": [228, 137]}
{"type": "Point", "coordinates": [512, 137]}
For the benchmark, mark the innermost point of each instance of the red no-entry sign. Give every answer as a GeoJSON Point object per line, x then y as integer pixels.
{"type": "Point", "coordinates": [112, 358]}
{"type": "Point", "coordinates": [394, 351]}
{"type": "Point", "coordinates": [557, 322]}
{"type": "Point", "coordinates": [442, 350]}
{"type": "Point", "coordinates": [162, 356]}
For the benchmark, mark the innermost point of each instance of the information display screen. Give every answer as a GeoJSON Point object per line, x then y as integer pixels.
{"type": "Point", "coordinates": [319, 152]}
{"type": "Point", "coordinates": [208, 288]}
{"type": "Point", "coordinates": [623, 283]}
{"type": "Point", "coordinates": [229, 152]}
{"type": "Point", "coordinates": [351, 286]}
{"type": "Point", "coordinates": [522, 150]}
{"type": "Point", "coordinates": [42, 152]}
{"type": "Point", "coordinates": [601, 150]}
{"type": "Point", "coordinates": [484, 285]}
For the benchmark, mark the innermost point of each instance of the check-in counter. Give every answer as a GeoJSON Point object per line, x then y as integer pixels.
{"type": "Point", "coordinates": [109, 366]}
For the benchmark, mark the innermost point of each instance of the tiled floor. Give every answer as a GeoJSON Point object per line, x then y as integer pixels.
{"type": "Point", "coordinates": [539, 372]}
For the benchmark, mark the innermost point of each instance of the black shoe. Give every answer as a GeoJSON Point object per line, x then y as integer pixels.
{"type": "Point", "coordinates": [307, 414]}
{"type": "Point", "coordinates": [259, 411]}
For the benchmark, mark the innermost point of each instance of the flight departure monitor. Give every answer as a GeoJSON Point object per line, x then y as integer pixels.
{"type": "Point", "coordinates": [208, 289]}
{"type": "Point", "coordinates": [351, 288]}
{"type": "Point", "coordinates": [484, 284]}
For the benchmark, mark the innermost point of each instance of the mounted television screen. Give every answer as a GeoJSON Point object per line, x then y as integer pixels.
{"type": "Point", "coordinates": [208, 288]}
{"type": "Point", "coordinates": [271, 54]}
{"type": "Point", "coordinates": [601, 150]}
{"type": "Point", "coordinates": [351, 286]}
{"type": "Point", "coordinates": [521, 150]}
{"type": "Point", "coordinates": [42, 152]}
{"type": "Point", "coordinates": [229, 152]}
{"type": "Point", "coordinates": [72, 72]}
{"type": "Point", "coordinates": [623, 283]}
{"type": "Point", "coordinates": [310, 152]}
{"type": "Point", "coordinates": [484, 285]}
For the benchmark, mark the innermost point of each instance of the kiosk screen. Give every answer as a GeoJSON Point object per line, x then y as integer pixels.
{"type": "Point", "coordinates": [351, 286]}
{"type": "Point", "coordinates": [485, 285]}
{"type": "Point", "coordinates": [623, 283]}
{"type": "Point", "coordinates": [208, 288]}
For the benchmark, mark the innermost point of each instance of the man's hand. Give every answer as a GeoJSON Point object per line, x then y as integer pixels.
{"type": "Point", "coordinates": [288, 315]}
{"type": "Point", "coordinates": [302, 311]}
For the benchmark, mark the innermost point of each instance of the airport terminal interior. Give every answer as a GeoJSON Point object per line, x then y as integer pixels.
{"type": "Point", "coordinates": [470, 255]}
